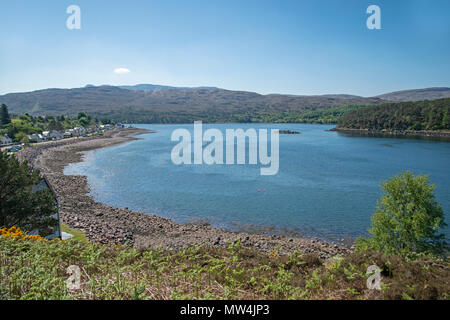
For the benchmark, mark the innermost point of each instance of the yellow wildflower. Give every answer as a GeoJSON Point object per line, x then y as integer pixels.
{"type": "Point", "coordinates": [16, 233]}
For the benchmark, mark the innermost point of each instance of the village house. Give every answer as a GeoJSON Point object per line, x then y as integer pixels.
{"type": "Point", "coordinates": [56, 135]}
{"type": "Point", "coordinates": [36, 137]}
{"type": "Point", "coordinates": [91, 129]}
{"type": "Point", "coordinates": [5, 140]}
{"type": "Point", "coordinates": [96, 130]}
{"type": "Point", "coordinates": [52, 135]}
{"type": "Point", "coordinates": [106, 127]}
{"type": "Point", "coordinates": [78, 131]}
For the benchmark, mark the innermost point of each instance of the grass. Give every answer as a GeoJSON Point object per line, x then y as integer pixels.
{"type": "Point", "coordinates": [77, 234]}
{"type": "Point", "coordinates": [32, 269]}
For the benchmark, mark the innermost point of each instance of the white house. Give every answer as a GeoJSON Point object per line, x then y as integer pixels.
{"type": "Point", "coordinates": [5, 140]}
{"type": "Point", "coordinates": [106, 127]}
{"type": "Point", "coordinates": [91, 129]}
{"type": "Point", "coordinates": [36, 137]}
{"type": "Point", "coordinates": [78, 131]}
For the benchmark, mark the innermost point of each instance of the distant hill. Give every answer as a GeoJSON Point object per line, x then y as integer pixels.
{"type": "Point", "coordinates": [174, 105]}
{"type": "Point", "coordinates": [417, 94]}
{"type": "Point", "coordinates": [150, 103]}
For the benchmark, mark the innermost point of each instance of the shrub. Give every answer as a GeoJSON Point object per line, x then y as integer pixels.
{"type": "Point", "coordinates": [407, 219]}
{"type": "Point", "coordinates": [16, 233]}
{"type": "Point", "coordinates": [19, 205]}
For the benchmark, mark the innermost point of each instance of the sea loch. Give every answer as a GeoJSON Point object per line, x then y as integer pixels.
{"type": "Point", "coordinates": [213, 152]}
{"type": "Point", "coordinates": [328, 183]}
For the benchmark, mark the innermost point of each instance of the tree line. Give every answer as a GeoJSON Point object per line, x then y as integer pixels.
{"type": "Point", "coordinates": [419, 115]}
{"type": "Point", "coordinates": [310, 115]}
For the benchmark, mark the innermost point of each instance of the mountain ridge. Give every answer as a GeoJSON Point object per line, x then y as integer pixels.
{"type": "Point", "coordinates": [416, 94]}
{"type": "Point", "coordinates": [155, 103]}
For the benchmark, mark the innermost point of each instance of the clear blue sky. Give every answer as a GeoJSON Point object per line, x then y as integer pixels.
{"type": "Point", "coordinates": [296, 47]}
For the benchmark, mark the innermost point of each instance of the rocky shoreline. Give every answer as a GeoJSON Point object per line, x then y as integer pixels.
{"type": "Point", "coordinates": [410, 133]}
{"type": "Point", "coordinates": [106, 224]}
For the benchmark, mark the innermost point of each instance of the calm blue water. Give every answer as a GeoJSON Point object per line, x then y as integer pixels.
{"type": "Point", "coordinates": [327, 184]}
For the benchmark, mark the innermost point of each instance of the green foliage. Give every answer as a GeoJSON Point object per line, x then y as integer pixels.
{"type": "Point", "coordinates": [21, 137]}
{"type": "Point", "coordinates": [55, 125]}
{"type": "Point", "coordinates": [37, 270]}
{"type": "Point", "coordinates": [407, 219]}
{"type": "Point", "coordinates": [4, 115]}
{"type": "Point", "coordinates": [419, 115]}
{"type": "Point", "coordinates": [23, 125]}
{"type": "Point", "coordinates": [84, 121]}
{"type": "Point", "coordinates": [324, 115]}
{"type": "Point", "coordinates": [77, 234]}
{"type": "Point", "coordinates": [171, 106]}
{"type": "Point", "coordinates": [81, 115]}
{"type": "Point", "coordinates": [19, 205]}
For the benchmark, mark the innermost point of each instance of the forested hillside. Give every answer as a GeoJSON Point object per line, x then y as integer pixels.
{"type": "Point", "coordinates": [146, 103]}
{"type": "Point", "coordinates": [419, 115]}
{"type": "Point", "coordinates": [172, 105]}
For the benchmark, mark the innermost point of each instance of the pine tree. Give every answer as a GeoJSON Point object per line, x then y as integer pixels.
{"type": "Point", "coordinates": [4, 115]}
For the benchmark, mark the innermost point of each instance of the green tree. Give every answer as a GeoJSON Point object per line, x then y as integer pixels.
{"type": "Point", "coordinates": [55, 125]}
{"type": "Point", "coordinates": [81, 115]}
{"type": "Point", "coordinates": [407, 219]}
{"type": "Point", "coordinates": [19, 205]}
{"type": "Point", "coordinates": [21, 137]}
{"type": "Point", "coordinates": [84, 122]}
{"type": "Point", "coordinates": [4, 115]}
{"type": "Point", "coordinates": [446, 121]}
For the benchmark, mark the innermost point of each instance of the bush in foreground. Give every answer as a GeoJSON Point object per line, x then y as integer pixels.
{"type": "Point", "coordinates": [32, 269]}
{"type": "Point", "coordinates": [407, 219]}
{"type": "Point", "coordinates": [16, 233]}
{"type": "Point", "coordinates": [19, 205]}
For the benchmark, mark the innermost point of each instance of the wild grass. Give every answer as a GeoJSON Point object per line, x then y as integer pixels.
{"type": "Point", "coordinates": [77, 234]}
{"type": "Point", "coordinates": [32, 269]}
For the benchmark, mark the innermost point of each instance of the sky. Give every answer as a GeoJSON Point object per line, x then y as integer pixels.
{"type": "Point", "coordinates": [289, 47]}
